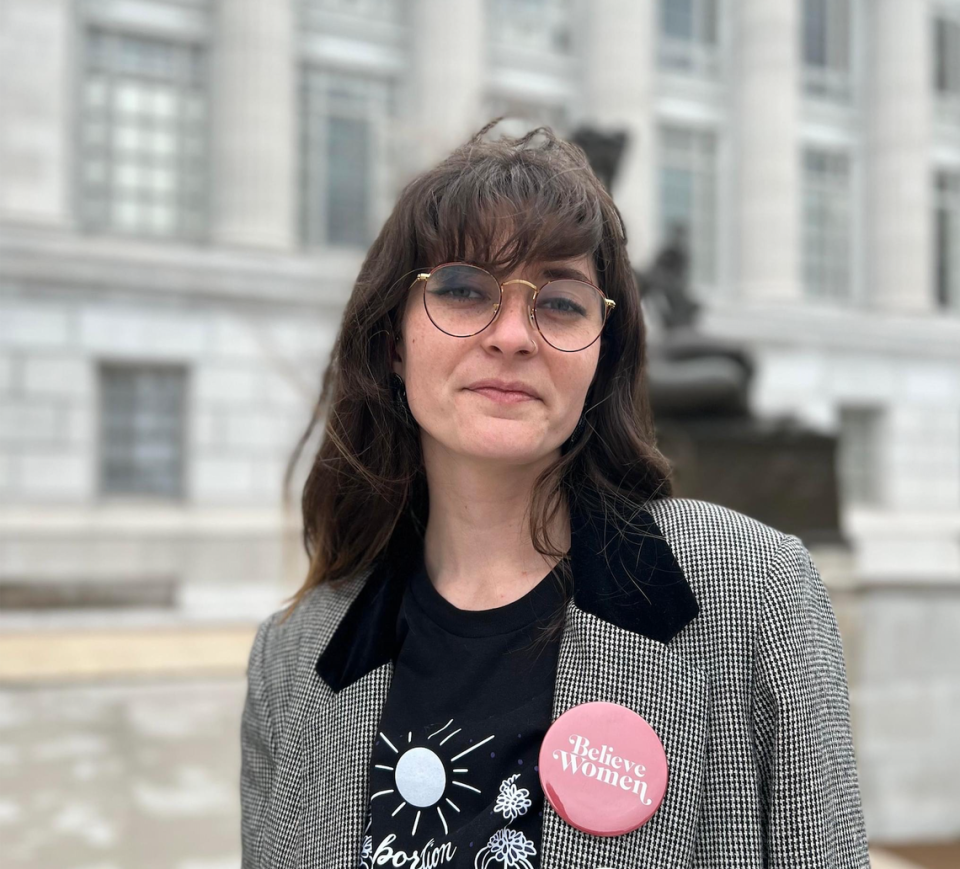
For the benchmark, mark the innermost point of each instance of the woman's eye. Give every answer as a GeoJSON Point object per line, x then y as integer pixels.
{"type": "Point", "coordinates": [564, 306]}
{"type": "Point", "coordinates": [454, 291]}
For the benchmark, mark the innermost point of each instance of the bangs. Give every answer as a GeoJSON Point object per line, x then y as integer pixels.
{"type": "Point", "coordinates": [503, 210]}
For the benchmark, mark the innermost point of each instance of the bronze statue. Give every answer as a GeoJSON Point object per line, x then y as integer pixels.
{"type": "Point", "coordinates": [773, 469]}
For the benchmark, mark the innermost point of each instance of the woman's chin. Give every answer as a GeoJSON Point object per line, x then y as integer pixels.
{"type": "Point", "coordinates": [517, 451]}
{"type": "Point", "coordinates": [507, 442]}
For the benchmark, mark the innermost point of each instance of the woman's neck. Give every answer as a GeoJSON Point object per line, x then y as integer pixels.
{"type": "Point", "coordinates": [477, 545]}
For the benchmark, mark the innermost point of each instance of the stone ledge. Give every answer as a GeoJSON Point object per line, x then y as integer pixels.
{"type": "Point", "coordinates": [33, 657]}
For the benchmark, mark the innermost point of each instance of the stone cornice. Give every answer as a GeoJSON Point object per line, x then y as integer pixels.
{"type": "Point", "coordinates": [68, 260]}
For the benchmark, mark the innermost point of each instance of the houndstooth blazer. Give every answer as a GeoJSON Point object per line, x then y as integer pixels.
{"type": "Point", "coordinates": [727, 645]}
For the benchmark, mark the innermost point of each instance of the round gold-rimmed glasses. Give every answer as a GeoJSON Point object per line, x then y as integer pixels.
{"type": "Point", "coordinates": [462, 299]}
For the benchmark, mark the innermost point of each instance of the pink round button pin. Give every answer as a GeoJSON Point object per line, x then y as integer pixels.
{"type": "Point", "coordinates": [603, 768]}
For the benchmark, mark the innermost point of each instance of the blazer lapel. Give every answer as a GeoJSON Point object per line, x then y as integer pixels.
{"type": "Point", "coordinates": [320, 798]}
{"type": "Point", "coordinates": [600, 661]}
{"type": "Point", "coordinates": [335, 751]}
{"type": "Point", "coordinates": [286, 839]}
{"type": "Point", "coordinates": [631, 599]}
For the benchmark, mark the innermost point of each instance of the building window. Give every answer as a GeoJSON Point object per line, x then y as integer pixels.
{"type": "Point", "coordinates": [689, 36]}
{"type": "Point", "coordinates": [859, 455]}
{"type": "Point", "coordinates": [946, 65]}
{"type": "Point", "coordinates": [344, 147]}
{"type": "Point", "coordinates": [946, 223]}
{"type": "Point", "coordinates": [826, 224]}
{"type": "Point", "coordinates": [827, 49]}
{"type": "Point", "coordinates": [688, 197]}
{"type": "Point", "coordinates": [532, 25]}
{"type": "Point", "coordinates": [142, 153]}
{"type": "Point", "coordinates": [142, 430]}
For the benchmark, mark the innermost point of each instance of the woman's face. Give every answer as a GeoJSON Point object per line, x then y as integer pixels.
{"type": "Point", "coordinates": [439, 371]}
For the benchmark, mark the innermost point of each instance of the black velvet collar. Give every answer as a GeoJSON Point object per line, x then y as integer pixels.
{"type": "Point", "coordinates": [632, 581]}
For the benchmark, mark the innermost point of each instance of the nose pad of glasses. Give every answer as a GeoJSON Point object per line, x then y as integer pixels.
{"type": "Point", "coordinates": [496, 309]}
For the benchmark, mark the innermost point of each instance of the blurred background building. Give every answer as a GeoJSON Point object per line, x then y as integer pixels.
{"type": "Point", "coordinates": [188, 187]}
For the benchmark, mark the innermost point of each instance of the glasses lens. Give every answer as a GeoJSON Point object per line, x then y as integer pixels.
{"type": "Point", "coordinates": [461, 299]}
{"type": "Point", "coordinates": [570, 314]}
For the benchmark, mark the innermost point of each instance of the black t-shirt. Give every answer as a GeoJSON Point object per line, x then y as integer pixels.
{"type": "Point", "coordinates": [453, 777]}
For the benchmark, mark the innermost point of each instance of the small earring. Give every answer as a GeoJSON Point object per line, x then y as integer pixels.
{"type": "Point", "coordinates": [399, 390]}
{"type": "Point", "coordinates": [578, 430]}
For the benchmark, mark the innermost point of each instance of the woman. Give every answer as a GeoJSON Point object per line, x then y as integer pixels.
{"type": "Point", "coordinates": [493, 542]}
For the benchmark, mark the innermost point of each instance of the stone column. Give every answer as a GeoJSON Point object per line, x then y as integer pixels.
{"type": "Point", "coordinates": [620, 94]}
{"type": "Point", "coordinates": [449, 71]}
{"type": "Point", "coordinates": [898, 104]}
{"type": "Point", "coordinates": [36, 102]}
{"type": "Point", "coordinates": [765, 67]}
{"type": "Point", "coordinates": [253, 125]}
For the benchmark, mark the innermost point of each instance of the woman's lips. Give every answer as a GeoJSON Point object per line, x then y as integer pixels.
{"type": "Point", "coordinates": [502, 396]}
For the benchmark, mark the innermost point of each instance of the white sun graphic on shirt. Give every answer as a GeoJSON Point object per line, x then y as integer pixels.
{"type": "Point", "coordinates": [420, 777]}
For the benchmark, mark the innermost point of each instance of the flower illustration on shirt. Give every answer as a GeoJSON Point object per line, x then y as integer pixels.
{"type": "Point", "coordinates": [508, 848]}
{"type": "Point", "coordinates": [366, 852]}
{"type": "Point", "coordinates": [512, 801]}
{"type": "Point", "coordinates": [366, 849]}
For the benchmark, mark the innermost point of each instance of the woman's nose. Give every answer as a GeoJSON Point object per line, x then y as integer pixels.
{"type": "Point", "coordinates": [514, 320]}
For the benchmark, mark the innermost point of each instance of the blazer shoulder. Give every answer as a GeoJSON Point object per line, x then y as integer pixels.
{"type": "Point", "coordinates": [692, 522]}
{"type": "Point", "coordinates": [719, 549]}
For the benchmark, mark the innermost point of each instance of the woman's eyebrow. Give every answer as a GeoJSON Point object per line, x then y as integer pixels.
{"type": "Point", "coordinates": [555, 273]}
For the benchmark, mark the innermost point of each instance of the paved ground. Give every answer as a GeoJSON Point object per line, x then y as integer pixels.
{"type": "Point", "coordinates": [121, 776]}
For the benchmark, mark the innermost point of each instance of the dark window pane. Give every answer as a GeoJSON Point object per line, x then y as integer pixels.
{"type": "Point", "coordinates": [826, 240]}
{"type": "Point", "coordinates": [710, 24]}
{"type": "Point", "coordinates": [947, 239]}
{"type": "Point", "coordinates": [815, 32]}
{"type": "Point", "coordinates": [142, 430]}
{"type": "Point", "coordinates": [839, 47]}
{"type": "Point", "coordinates": [348, 160]}
{"type": "Point", "coordinates": [688, 196]}
{"type": "Point", "coordinates": [947, 56]}
{"type": "Point", "coordinates": [859, 455]}
{"type": "Point", "coordinates": [677, 18]}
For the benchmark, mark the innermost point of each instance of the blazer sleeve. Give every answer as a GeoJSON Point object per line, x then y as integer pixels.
{"type": "Point", "coordinates": [812, 814]}
{"type": "Point", "coordinates": [256, 752]}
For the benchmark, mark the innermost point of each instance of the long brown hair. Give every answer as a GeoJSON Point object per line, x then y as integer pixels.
{"type": "Point", "coordinates": [498, 204]}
